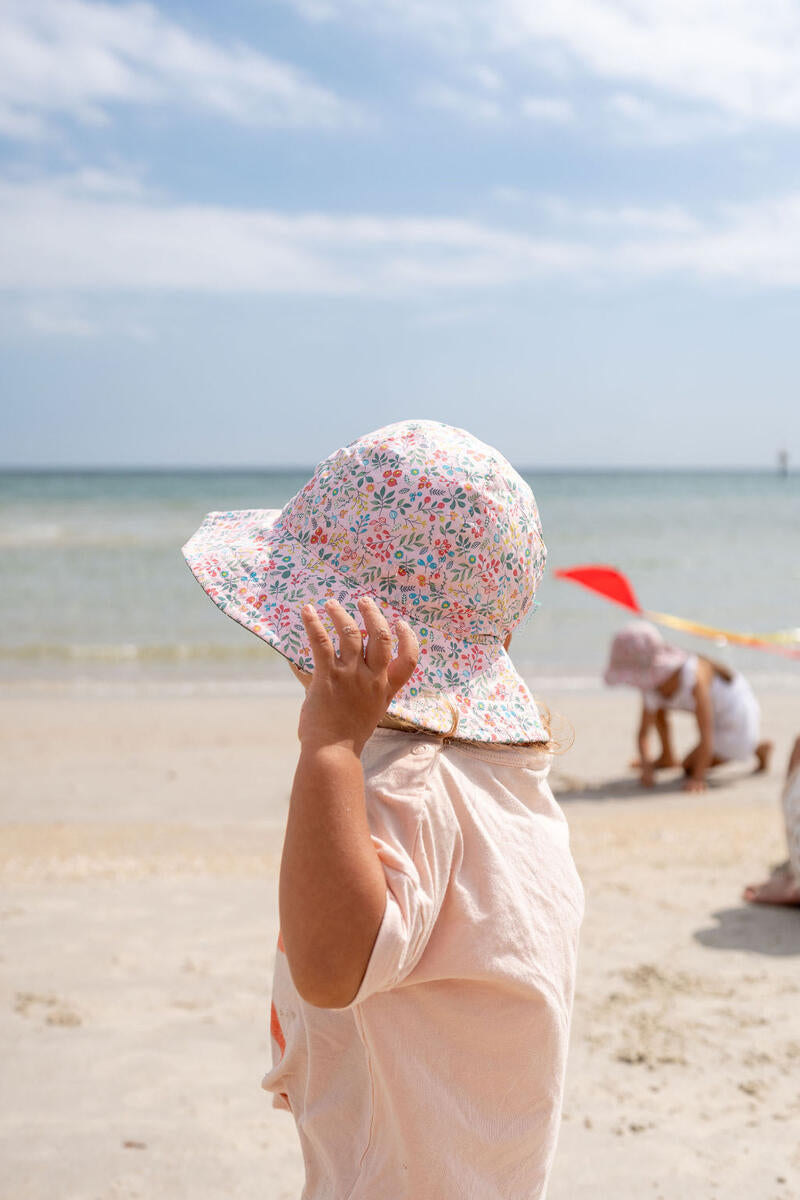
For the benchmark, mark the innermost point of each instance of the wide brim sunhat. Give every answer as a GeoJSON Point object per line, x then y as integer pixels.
{"type": "Point", "coordinates": [641, 658]}
{"type": "Point", "coordinates": [438, 529]}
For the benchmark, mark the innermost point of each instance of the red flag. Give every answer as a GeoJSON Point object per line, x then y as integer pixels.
{"type": "Point", "coordinates": [612, 584]}
{"type": "Point", "coordinates": [607, 581]}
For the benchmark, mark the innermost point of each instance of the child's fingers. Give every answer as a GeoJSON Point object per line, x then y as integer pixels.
{"type": "Point", "coordinates": [402, 666]}
{"type": "Point", "coordinates": [350, 644]}
{"type": "Point", "coordinates": [379, 644]}
{"type": "Point", "coordinates": [321, 646]}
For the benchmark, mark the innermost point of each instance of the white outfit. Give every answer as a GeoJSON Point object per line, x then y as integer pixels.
{"type": "Point", "coordinates": [443, 1079]}
{"type": "Point", "coordinates": [735, 712]}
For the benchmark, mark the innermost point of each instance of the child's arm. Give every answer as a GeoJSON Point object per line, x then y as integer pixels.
{"type": "Point", "coordinates": [703, 755]}
{"type": "Point", "coordinates": [332, 885]}
{"type": "Point", "coordinates": [646, 723]}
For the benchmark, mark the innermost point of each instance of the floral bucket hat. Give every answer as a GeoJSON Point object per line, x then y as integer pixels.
{"type": "Point", "coordinates": [641, 658]}
{"type": "Point", "coordinates": [436, 527]}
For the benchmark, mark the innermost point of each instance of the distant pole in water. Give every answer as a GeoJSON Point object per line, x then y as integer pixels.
{"type": "Point", "coordinates": [783, 463]}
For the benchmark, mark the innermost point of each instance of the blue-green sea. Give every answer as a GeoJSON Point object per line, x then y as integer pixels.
{"type": "Point", "coordinates": [94, 587]}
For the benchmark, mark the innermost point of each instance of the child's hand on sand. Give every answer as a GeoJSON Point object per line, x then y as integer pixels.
{"type": "Point", "coordinates": [350, 691]}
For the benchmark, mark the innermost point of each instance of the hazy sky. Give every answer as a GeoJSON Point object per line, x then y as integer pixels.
{"type": "Point", "coordinates": [247, 232]}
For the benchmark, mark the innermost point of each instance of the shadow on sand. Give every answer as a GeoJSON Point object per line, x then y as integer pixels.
{"type": "Point", "coordinates": [759, 928]}
{"type": "Point", "coordinates": [629, 787]}
{"type": "Point", "coordinates": [626, 788]}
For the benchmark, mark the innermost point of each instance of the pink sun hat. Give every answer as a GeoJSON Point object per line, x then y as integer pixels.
{"type": "Point", "coordinates": [435, 526]}
{"type": "Point", "coordinates": [641, 658]}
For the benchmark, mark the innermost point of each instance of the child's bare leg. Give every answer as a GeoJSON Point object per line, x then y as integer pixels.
{"type": "Point", "coordinates": [782, 887]}
{"type": "Point", "coordinates": [764, 753]}
{"type": "Point", "coordinates": [667, 757]}
{"type": "Point", "coordinates": [689, 761]}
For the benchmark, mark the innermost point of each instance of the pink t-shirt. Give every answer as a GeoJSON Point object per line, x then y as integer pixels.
{"type": "Point", "coordinates": [443, 1079]}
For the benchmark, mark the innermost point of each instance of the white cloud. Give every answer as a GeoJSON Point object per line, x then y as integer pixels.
{"type": "Point", "coordinates": [61, 235]}
{"type": "Point", "coordinates": [667, 218]}
{"type": "Point", "coordinates": [63, 315]}
{"type": "Point", "coordinates": [738, 57]}
{"type": "Point", "coordinates": [58, 317]}
{"type": "Point", "coordinates": [550, 109]}
{"type": "Point", "coordinates": [102, 181]}
{"type": "Point", "coordinates": [756, 245]}
{"type": "Point", "coordinates": [81, 59]}
{"type": "Point", "coordinates": [583, 221]}
{"type": "Point", "coordinates": [66, 236]}
{"type": "Point", "coordinates": [504, 194]}
{"type": "Point", "coordinates": [487, 78]}
{"type": "Point", "coordinates": [635, 119]}
{"type": "Point", "coordinates": [478, 109]}
{"type": "Point", "coordinates": [631, 108]}
{"type": "Point", "coordinates": [623, 220]}
{"type": "Point", "coordinates": [450, 24]}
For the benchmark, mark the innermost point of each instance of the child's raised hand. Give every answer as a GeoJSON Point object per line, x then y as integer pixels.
{"type": "Point", "coordinates": [351, 691]}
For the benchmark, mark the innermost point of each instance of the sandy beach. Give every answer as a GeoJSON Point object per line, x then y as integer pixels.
{"type": "Point", "coordinates": [141, 840]}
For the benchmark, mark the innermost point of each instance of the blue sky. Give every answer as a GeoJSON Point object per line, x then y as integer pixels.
{"type": "Point", "coordinates": [245, 233]}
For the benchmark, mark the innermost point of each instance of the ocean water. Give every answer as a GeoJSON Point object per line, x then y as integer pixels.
{"type": "Point", "coordinates": [94, 586]}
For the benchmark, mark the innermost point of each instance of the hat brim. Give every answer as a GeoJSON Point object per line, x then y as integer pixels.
{"type": "Point", "coordinates": [622, 677]}
{"type": "Point", "coordinates": [260, 576]}
{"type": "Point", "coordinates": [667, 660]}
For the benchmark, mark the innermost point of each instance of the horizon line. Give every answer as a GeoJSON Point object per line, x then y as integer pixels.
{"type": "Point", "coordinates": [297, 468]}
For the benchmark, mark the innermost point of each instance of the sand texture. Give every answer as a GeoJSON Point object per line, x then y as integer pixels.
{"type": "Point", "coordinates": [139, 856]}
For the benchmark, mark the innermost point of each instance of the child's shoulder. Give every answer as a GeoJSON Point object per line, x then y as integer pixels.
{"type": "Point", "coordinates": [406, 797]}
{"type": "Point", "coordinates": [397, 760]}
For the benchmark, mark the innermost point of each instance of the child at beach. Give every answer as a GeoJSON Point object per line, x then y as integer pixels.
{"type": "Point", "coordinates": [722, 701]}
{"type": "Point", "coordinates": [429, 904]}
{"type": "Point", "coordinates": [783, 885]}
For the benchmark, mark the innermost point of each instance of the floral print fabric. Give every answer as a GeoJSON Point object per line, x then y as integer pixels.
{"type": "Point", "coordinates": [432, 523]}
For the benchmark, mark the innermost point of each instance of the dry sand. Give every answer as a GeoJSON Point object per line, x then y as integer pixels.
{"type": "Point", "coordinates": [140, 847]}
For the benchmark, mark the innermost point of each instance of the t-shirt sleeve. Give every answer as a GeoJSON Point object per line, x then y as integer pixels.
{"type": "Point", "coordinates": [416, 858]}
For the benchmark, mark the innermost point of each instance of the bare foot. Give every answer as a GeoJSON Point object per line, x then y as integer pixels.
{"type": "Point", "coordinates": [782, 887]}
{"type": "Point", "coordinates": [763, 755]}
{"type": "Point", "coordinates": [662, 763]}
